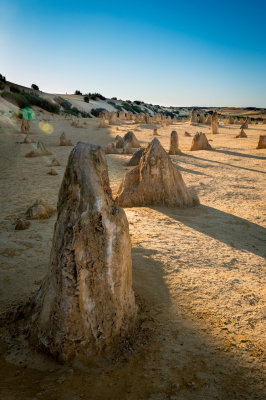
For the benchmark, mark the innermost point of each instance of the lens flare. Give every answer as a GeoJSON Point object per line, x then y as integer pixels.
{"type": "Point", "coordinates": [28, 113]}
{"type": "Point", "coordinates": [46, 127]}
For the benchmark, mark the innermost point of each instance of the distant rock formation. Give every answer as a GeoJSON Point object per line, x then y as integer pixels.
{"type": "Point", "coordinates": [244, 124]}
{"type": "Point", "coordinates": [102, 123]}
{"type": "Point", "coordinates": [113, 119]}
{"type": "Point", "coordinates": [187, 134]}
{"type": "Point", "coordinates": [131, 138]}
{"type": "Point", "coordinates": [208, 119]}
{"type": "Point", "coordinates": [29, 140]}
{"type": "Point", "coordinates": [22, 224]}
{"type": "Point", "coordinates": [40, 210]}
{"type": "Point", "coordinates": [200, 142]}
{"type": "Point", "coordinates": [52, 172]}
{"type": "Point", "coordinates": [25, 126]}
{"type": "Point", "coordinates": [262, 142]}
{"type": "Point", "coordinates": [40, 150]}
{"type": "Point", "coordinates": [201, 118]}
{"type": "Point", "coordinates": [86, 302]}
{"type": "Point", "coordinates": [135, 159]}
{"type": "Point", "coordinates": [54, 163]}
{"type": "Point", "coordinates": [194, 118]}
{"type": "Point", "coordinates": [215, 123]}
{"type": "Point", "coordinates": [111, 148]}
{"type": "Point", "coordinates": [174, 149]}
{"type": "Point", "coordinates": [64, 141]}
{"type": "Point", "coordinates": [154, 181]}
{"type": "Point", "coordinates": [242, 134]}
{"type": "Point", "coordinates": [119, 142]}
{"type": "Point", "coordinates": [155, 132]}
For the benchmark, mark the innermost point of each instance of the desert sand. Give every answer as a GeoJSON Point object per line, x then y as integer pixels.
{"type": "Point", "coordinates": [198, 273]}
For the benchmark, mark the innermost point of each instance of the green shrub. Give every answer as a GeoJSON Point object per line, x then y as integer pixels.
{"type": "Point", "coordinates": [74, 111]}
{"type": "Point", "coordinates": [23, 100]}
{"type": "Point", "coordinates": [78, 93]}
{"type": "Point", "coordinates": [2, 78]}
{"type": "Point", "coordinates": [86, 99]}
{"type": "Point", "coordinates": [35, 87]}
{"type": "Point", "coordinates": [96, 112]}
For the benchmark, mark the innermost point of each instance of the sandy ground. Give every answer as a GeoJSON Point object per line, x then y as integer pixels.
{"type": "Point", "coordinates": [198, 273]}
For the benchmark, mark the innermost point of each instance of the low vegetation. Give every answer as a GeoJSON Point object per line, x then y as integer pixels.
{"type": "Point", "coordinates": [23, 100]}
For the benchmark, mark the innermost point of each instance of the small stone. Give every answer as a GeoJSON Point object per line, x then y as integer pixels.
{"type": "Point", "coordinates": [22, 224]}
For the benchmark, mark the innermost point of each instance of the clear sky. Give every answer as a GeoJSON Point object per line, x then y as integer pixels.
{"type": "Point", "coordinates": [204, 53]}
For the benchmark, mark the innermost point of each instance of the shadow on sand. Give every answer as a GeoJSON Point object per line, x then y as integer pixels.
{"type": "Point", "coordinates": [236, 232]}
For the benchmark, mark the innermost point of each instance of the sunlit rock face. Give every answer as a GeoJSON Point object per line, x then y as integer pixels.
{"type": "Point", "coordinates": [200, 142]}
{"type": "Point", "coordinates": [174, 149]}
{"type": "Point", "coordinates": [214, 123]}
{"type": "Point", "coordinates": [154, 181]}
{"type": "Point", "coordinates": [86, 302]}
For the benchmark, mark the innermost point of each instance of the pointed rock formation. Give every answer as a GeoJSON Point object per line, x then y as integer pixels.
{"type": "Point", "coordinates": [155, 132]}
{"type": "Point", "coordinates": [25, 126]}
{"type": "Point", "coordinates": [215, 123]}
{"type": "Point", "coordinates": [154, 181]}
{"type": "Point", "coordinates": [102, 123]}
{"type": "Point", "coordinates": [29, 140]}
{"type": "Point", "coordinates": [244, 124]}
{"type": "Point", "coordinates": [54, 163]}
{"type": "Point", "coordinates": [187, 134]}
{"type": "Point", "coordinates": [119, 142]}
{"type": "Point", "coordinates": [40, 210]}
{"type": "Point", "coordinates": [201, 118]}
{"type": "Point", "coordinates": [174, 150]}
{"type": "Point", "coordinates": [135, 159]}
{"type": "Point", "coordinates": [194, 117]}
{"type": "Point", "coordinates": [200, 142]}
{"type": "Point", "coordinates": [208, 119]}
{"type": "Point", "coordinates": [22, 224]}
{"type": "Point", "coordinates": [52, 172]}
{"type": "Point", "coordinates": [262, 142]}
{"type": "Point", "coordinates": [113, 118]}
{"type": "Point", "coordinates": [111, 148]}
{"type": "Point", "coordinates": [127, 148]}
{"type": "Point", "coordinates": [64, 141]}
{"type": "Point", "coordinates": [131, 138]}
{"type": "Point", "coordinates": [39, 151]}
{"type": "Point", "coordinates": [86, 302]}
{"type": "Point", "coordinates": [242, 134]}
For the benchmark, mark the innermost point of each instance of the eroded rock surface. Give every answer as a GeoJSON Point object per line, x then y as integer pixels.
{"type": "Point", "coordinates": [174, 149]}
{"type": "Point", "coordinates": [200, 142]}
{"type": "Point", "coordinates": [154, 181]}
{"type": "Point", "coordinates": [86, 301]}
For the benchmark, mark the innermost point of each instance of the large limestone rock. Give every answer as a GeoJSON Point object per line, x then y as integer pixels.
{"type": "Point", "coordinates": [64, 141]}
{"type": "Point", "coordinates": [135, 159]}
{"type": "Point", "coordinates": [242, 134]}
{"type": "Point", "coordinates": [154, 181]}
{"type": "Point", "coordinates": [194, 118]}
{"type": "Point", "coordinates": [174, 149]}
{"type": "Point", "coordinates": [215, 123]}
{"type": "Point", "coordinates": [86, 302]}
{"type": "Point", "coordinates": [200, 142]}
{"type": "Point", "coordinates": [262, 142]}
{"type": "Point", "coordinates": [131, 138]}
{"type": "Point", "coordinates": [25, 126]}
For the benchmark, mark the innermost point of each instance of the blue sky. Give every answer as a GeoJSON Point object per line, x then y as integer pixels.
{"type": "Point", "coordinates": [204, 53]}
